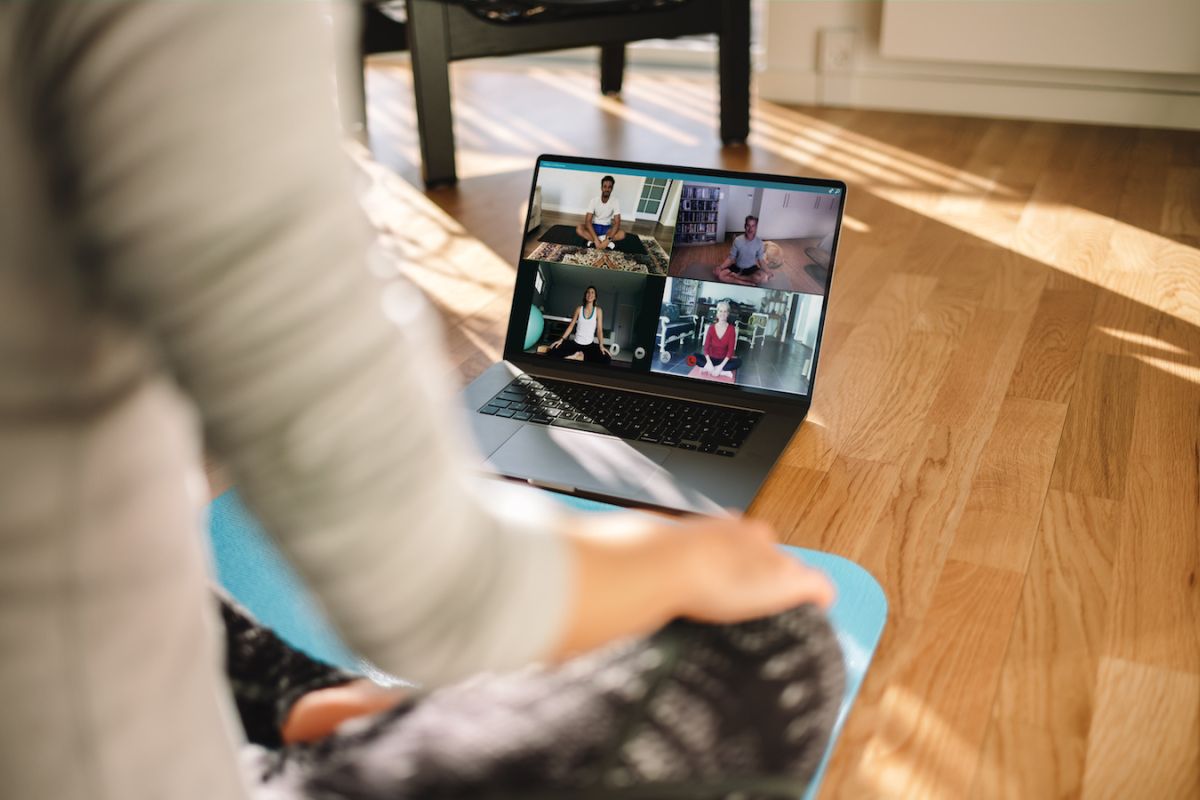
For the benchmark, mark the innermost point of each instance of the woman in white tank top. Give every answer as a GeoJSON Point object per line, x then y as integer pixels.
{"type": "Point", "coordinates": [587, 323]}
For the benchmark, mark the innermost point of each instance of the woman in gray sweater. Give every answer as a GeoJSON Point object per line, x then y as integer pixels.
{"type": "Point", "coordinates": [182, 260]}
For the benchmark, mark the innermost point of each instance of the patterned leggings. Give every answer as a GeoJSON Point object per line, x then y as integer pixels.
{"type": "Point", "coordinates": [731, 365]}
{"type": "Point", "coordinates": [591, 352]}
{"type": "Point", "coordinates": [694, 711]}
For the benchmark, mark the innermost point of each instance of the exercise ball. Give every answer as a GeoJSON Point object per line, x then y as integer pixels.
{"type": "Point", "coordinates": [533, 330]}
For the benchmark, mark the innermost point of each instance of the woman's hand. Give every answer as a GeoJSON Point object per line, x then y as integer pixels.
{"type": "Point", "coordinates": [738, 572]}
{"type": "Point", "coordinates": [556, 344]}
{"type": "Point", "coordinates": [634, 574]}
{"type": "Point", "coordinates": [318, 714]}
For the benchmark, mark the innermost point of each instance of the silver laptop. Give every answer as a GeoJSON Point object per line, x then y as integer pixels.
{"type": "Point", "coordinates": [664, 335]}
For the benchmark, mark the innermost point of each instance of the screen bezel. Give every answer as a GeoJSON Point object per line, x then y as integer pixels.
{"type": "Point", "coordinates": [595, 373]}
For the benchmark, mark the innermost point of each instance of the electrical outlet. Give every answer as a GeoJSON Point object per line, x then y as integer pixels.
{"type": "Point", "coordinates": [836, 52]}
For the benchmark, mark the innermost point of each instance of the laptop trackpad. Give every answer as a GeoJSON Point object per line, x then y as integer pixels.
{"type": "Point", "coordinates": [567, 458]}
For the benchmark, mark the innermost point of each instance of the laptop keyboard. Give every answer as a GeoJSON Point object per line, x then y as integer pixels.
{"type": "Point", "coordinates": [630, 415]}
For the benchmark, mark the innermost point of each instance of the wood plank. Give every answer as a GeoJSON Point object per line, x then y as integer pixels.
{"type": "Point", "coordinates": [786, 490]}
{"type": "Point", "coordinates": [1177, 282]}
{"type": "Point", "coordinates": [856, 282]}
{"type": "Point", "coordinates": [934, 715]}
{"type": "Point", "coordinates": [833, 339]}
{"type": "Point", "coordinates": [1099, 172]}
{"type": "Point", "coordinates": [1096, 437]}
{"type": "Point", "coordinates": [1000, 521]}
{"type": "Point", "coordinates": [1101, 168]}
{"type": "Point", "coordinates": [1144, 191]}
{"type": "Point", "coordinates": [910, 541]}
{"type": "Point", "coordinates": [1181, 206]}
{"type": "Point", "coordinates": [847, 502]}
{"type": "Point", "coordinates": [899, 399]}
{"type": "Point", "coordinates": [1123, 323]}
{"type": "Point", "coordinates": [1038, 149]}
{"type": "Point", "coordinates": [1043, 231]}
{"type": "Point", "coordinates": [1155, 614]}
{"type": "Point", "coordinates": [962, 280]}
{"type": "Point", "coordinates": [887, 321]}
{"type": "Point", "coordinates": [1048, 362]}
{"type": "Point", "coordinates": [1001, 139]}
{"type": "Point", "coordinates": [1167, 422]}
{"type": "Point", "coordinates": [1162, 759]}
{"type": "Point", "coordinates": [933, 243]}
{"type": "Point", "coordinates": [1131, 250]}
{"type": "Point", "coordinates": [931, 495]}
{"type": "Point", "coordinates": [1015, 283]}
{"type": "Point", "coordinates": [849, 773]}
{"type": "Point", "coordinates": [1037, 736]}
{"type": "Point", "coordinates": [969, 395]}
{"type": "Point", "coordinates": [846, 384]}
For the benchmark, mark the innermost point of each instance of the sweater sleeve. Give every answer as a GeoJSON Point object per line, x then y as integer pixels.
{"type": "Point", "coordinates": [215, 210]}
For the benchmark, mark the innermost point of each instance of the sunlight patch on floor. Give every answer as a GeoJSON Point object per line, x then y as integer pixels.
{"type": "Point", "coordinates": [897, 762]}
{"type": "Point", "coordinates": [611, 105]}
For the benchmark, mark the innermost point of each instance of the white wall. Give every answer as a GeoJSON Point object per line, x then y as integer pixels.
{"type": "Point", "coordinates": [808, 317]}
{"type": "Point", "coordinates": [796, 215]}
{"type": "Point", "coordinates": [568, 191]}
{"type": "Point", "coordinates": [1142, 36]}
{"type": "Point", "coordinates": [669, 212]}
{"type": "Point", "coordinates": [990, 58]}
{"type": "Point", "coordinates": [740, 202]}
{"type": "Point", "coordinates": [730, 291]}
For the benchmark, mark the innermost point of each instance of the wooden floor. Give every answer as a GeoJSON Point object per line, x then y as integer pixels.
{"type": "Point", "coordinates": [1006, 427]}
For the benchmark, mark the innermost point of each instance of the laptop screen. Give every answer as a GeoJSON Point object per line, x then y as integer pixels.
{"type": "Point", "coordinates": [678, 273]}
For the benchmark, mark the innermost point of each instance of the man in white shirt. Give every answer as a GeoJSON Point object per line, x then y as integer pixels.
{"type": "Point", "coordinates": [601, 227]}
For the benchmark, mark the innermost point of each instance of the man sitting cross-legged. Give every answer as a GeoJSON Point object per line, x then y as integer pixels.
{"type": "Point", "coordinates": [746, 263]}
{"type": "Point", "coordinates": [601, 227]}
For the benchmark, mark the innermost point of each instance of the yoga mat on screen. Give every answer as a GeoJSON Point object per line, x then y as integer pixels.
{"type": "Point", "coordinates": [252, 569]}
{"type": "Point", "coordinates": [565, 234]}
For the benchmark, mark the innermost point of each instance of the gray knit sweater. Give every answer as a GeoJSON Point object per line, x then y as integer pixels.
{"type": "Point", "coordinates": [182, 259]}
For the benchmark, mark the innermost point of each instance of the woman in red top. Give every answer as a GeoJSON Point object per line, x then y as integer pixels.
{"type": "Point", "coordinates": [719, 344]}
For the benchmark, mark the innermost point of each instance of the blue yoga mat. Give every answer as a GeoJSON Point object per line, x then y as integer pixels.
{"type": "Point", "coordinates": [252, 570]}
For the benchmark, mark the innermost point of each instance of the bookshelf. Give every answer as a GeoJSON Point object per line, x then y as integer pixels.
{"type": "Point", "coordinates": [683, 295]}
{"type": "Point", "coordinates": [699, 207]}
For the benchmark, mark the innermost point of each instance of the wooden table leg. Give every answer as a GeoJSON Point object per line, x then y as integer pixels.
{"type": "Point", "coordinates": [612, 68]}
{"type": "Point", "coordinates": [734, 60]}
{"type": "Point", "coordinates": [428, 42]}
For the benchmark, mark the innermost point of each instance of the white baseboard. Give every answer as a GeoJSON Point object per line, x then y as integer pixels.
{"type": "Point", "coordinates": [972, 96]}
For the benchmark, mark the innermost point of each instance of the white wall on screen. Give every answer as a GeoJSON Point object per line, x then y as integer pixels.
{"type": "Point", "coordinates": [808, 318]}
{"type": "Point", "coordinates": [730, 291]}
{"type": "Point", "coordinates": [568, 191]}
{"type": "Point", "coordinates": [670, 208]}
{"type": "Point", "coordinates": [741, 203]}
{"type": "Point", "coordinates": [796, 215]}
